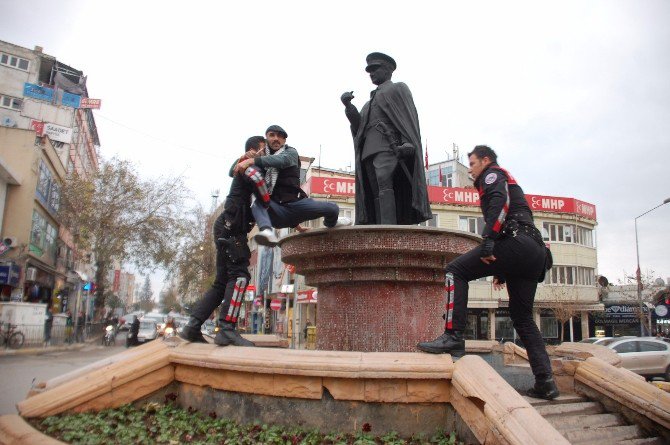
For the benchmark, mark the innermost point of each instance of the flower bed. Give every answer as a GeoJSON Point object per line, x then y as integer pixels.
{"type": "Point", "coordinates": [155, 423]}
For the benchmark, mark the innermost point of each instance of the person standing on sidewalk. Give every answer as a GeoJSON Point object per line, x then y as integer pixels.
{"type": "Point", "coordinates": [513, 252]}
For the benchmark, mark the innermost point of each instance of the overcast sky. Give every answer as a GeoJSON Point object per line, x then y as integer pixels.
{"type": "Point", "coordinates": [573, 95]}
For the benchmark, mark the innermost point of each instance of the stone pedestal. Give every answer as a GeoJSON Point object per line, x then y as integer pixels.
{"type": "Point", "coordinates": [381, 288]}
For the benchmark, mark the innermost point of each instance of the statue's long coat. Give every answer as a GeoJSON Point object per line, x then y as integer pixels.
{"type": "Point", "coordinates": [412, 206]}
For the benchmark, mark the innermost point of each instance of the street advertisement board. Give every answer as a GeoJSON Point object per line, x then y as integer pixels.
{"type": "Point", "coordinates": [618, 314]}
{"type": "Point", "coordinates": [38, 92]}
{"type": "Point", "coordinates": [87, 102]}
{"type": "Point", "coordinates": [58, 133]}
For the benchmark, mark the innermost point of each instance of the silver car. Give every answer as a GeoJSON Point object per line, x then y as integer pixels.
{"type": "Point", "coordinates": [647, 356]}
{"type": "Point", "coordinates": [148, 331]}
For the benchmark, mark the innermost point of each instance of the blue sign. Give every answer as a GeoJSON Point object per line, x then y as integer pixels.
{"type": "Point", "coordinates": [38, 92]}
{"type": "Point", "coordinates": [9, 274]}
{"type": "Point", "coordinates": [87, 286]}
{"type": "Point", "coordinates": [71, 100]}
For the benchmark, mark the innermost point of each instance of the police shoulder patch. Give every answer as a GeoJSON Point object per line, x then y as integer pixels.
{"type": "Point", "coordinates": [490, 178]}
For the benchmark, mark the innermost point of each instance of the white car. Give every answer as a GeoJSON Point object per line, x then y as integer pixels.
{"type": "Point", "coordinates": [647, 356]}
{"type": "Point", "coordinates": [148, 331]}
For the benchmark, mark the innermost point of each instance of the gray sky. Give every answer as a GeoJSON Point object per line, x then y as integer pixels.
{"type": "Point", "coordinates": [573, 95]}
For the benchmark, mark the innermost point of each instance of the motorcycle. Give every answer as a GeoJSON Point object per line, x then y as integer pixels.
{"type": "Point", "coordinates": [169, 332]}
{"type": "Point", "coordinates": [109, 338]}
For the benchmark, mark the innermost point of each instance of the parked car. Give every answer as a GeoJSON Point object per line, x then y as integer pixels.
{"type": "Point", "coordinates": [126, 320]}
{"type": "Point", "coordinates": [148, 331]}
{"type": "Point", "coordinates": [157, 318]}
{"type": "Point", "coordinates": [647, 356]}
{"type": "Point", "coordinates": [602, 341]}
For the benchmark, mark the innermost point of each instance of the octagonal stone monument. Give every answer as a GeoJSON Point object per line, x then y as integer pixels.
{"type": "Point", "coordinates": [381, 288]}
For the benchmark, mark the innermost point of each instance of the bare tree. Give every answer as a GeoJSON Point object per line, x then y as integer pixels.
{"type": "Point", "coordinates": [194, 265]}
{"type": "Point", "coordinates": [147, 296]}
{"type": "Point", "coordinates": [563, 303]}
{"type": "Point", "coordinates": [117, 215]}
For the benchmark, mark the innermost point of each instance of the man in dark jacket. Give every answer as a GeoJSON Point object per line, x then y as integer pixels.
{"type": "Point", "coordinates": [232, 254]}
{"type": "Point", "coordinates": [512, 251]}
{"type": "Point", "coordinates": [134, 329]}
{"type": "Point", "coordinates": [289, 204]}
{"type": "Point", "coordinates": [390, 179]}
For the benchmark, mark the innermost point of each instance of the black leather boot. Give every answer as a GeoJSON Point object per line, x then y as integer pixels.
{"type": "Point", "coordinates": [451, 342]}
{"type": "Point", "coordinates": [228, 335]}
{"type": "Point", "coordinates": [544, 389]}
{"type": "Point", "coordinates": [191, 331]}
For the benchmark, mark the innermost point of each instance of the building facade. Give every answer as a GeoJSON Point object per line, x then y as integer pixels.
{"type": "Point", "coordinates": [565, 299]}
{"type": "Point", "coordinates": [47, 131]}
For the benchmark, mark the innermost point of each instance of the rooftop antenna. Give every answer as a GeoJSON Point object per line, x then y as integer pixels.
{"type": "Point", "coordinates": [455, 150]}
{"type": "Point", "coordinates": [319, 159]}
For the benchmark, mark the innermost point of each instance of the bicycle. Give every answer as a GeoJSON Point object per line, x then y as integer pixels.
{"type": "Point", "coordinates": [11, 338]}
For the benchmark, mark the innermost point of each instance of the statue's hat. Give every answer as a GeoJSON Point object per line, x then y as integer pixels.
{"type": "Point", "coordinates": [375, 59]}
{"type": "Point", "coordinates": [276, 129]}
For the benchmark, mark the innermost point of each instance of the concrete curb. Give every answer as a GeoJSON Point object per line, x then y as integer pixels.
{"type": "Point", "coordinates": [47, 350]}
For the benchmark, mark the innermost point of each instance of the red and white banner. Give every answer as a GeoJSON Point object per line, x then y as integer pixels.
{"type": "Point", "coordinates": [87, 102]}
{"type": "Point", "coordinates": [459, 196]}
{"type": "Point", "coordinates": [38, 126]}
{"type": "Point", "coordinates": [307, 296]}
{"type": "Point", "coordinates": [117, 280]}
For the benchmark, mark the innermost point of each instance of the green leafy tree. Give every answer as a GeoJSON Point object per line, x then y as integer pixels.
{"type": "Point", "coordinates": [113, 301]}
{"type": "Point", "coordinates": [119, 216]}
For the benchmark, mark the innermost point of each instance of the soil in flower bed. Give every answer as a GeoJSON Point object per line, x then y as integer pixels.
{"type": "Point", "coordinates": [156, 423]}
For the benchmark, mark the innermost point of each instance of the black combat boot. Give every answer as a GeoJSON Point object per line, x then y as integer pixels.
{"type": "Point", "coordinates": [191, 332]}
{"type": "Point", "coordinates": [228, 335]}
{"type": "Point", "coordinates": [451, 342]}
{"type": "Point", "coordinates": [543, 389]}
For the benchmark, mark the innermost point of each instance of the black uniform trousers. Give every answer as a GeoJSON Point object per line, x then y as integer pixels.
{"type": "Point", "coordinates": [520, 261]}
{"type": "Point", "coordinates": [232, 264]}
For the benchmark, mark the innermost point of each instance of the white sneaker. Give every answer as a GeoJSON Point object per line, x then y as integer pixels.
{"type": "Point", "coordinates": [343, 221]}
{"type": "Point", "coordinates": [266, 237]}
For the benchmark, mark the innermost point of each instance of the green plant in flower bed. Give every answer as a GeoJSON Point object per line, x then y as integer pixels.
{"type": "Point", "coordinates": [168, 424]}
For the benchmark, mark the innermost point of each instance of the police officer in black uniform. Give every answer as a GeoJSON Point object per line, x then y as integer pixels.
{"type": "Point", "coordinates": [513, 252]}
{"type": "Point", "coordinates": [232, 254]}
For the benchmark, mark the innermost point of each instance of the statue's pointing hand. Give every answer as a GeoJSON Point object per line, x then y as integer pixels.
{"type": "Point", "coordinates": [347, 97]}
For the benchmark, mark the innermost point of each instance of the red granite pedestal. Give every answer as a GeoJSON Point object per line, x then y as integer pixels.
{"type": "Point", "coordinates": [381, 288]}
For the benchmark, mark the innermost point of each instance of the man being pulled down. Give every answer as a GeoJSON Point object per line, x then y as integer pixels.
{"type": "Point", "coordinates": [232, 253]}
{"type": "Point", "coordinates": [390, 181]}
{"type": "Point", "coordinates": [513, 252]}
{"type": "Point", "coordinates": [289, 205]}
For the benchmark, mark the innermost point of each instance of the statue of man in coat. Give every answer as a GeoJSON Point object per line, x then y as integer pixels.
{"type": "Point", "coordinates": [390, 180]}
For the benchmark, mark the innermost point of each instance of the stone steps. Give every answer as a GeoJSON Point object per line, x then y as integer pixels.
{"type": "Point", "coordinates": [582, 421]}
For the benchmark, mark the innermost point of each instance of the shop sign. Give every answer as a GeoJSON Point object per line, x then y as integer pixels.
{"type": "Point", "coordinates": [38, 126]}
{"type": "Point", "coordinates": [58, 133]}
{"type": "Point", "coordinates": [458, 196]}
{"type": "Point", "coordinates": [71, 100]}
{"type": "Point", "coordinates": [307, 296]}
{"type": "Point", "coordinates": [38, 92]}
{"type": "Point", "coordinates": [9, 274]}
{"type": "Point", "coordinates": [661, 310]}
{"type": "Point", "coordinates": [87, 102]}
{"type": "Point", "coordinates": [618, 314]}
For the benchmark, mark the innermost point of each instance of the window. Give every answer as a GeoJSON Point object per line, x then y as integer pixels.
{"type": "Point", "coordinates": [14, 61]}
{"type": "Point", "coordinates": [48, 189]}
{"type": "Point", "coordinates": [651, 346]}
{"type": "Point", "coordinates": [471, 224]}
{"type": "Point", "coordinates": [13, 103]}
{"type": "Point", "coordinates": [628, 346]}
{"type": "Point", "coordinates": [446, 179]}
{"type": "Point", "coordinates": [431, 222]}
{"type": "Point", "coordinates": [570, 276]}
{"type": "Point", "coordinates": [549, 327]}
{"type": "Point", "coordinates": [567, 233]}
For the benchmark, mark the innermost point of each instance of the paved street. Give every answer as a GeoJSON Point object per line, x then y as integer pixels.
{"type": "Point", "coordinates": [18, 371]}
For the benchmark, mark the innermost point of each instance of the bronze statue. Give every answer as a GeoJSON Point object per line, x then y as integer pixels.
{"type": "Point", "coordinates": [390, 181]}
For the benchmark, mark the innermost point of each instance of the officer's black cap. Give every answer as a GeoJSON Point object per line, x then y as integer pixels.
{"type": "Point", "coordinates": [277, 129]}
{"type": "Point", "coordinates": [376, 59]}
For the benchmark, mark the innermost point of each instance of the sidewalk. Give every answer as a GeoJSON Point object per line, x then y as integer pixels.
{"type": "Point", "coordinates": [47, 350]}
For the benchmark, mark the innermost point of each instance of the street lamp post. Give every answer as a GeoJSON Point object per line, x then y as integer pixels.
{"type": "Point", "coordinates": [638, 272]}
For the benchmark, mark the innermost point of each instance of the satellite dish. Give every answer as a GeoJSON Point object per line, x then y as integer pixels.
{"type": "Point", "coordinates": [8, 122]}
{"type": "Point", "coordinates": [659, 282]}
{"type": "Point", "coordinates": [603, 281]}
